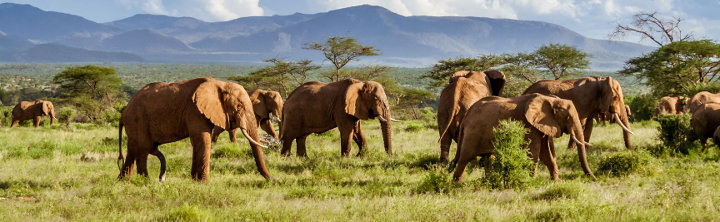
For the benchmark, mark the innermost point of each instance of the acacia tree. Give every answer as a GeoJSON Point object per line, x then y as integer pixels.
{"type": "Point", "coordinates": [92, 89]}
{"type": "Point", "coordinates": [678, 68]}
{"type": "Point", "coordinates": [340, 51]}
{"type": "Point", "coordinates": [282, 76]}
{"type": "Point", "coordinates": [650, 25]}
{"type": "Point", "coordinates": [560, 60]}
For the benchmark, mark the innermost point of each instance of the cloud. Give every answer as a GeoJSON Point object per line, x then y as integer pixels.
{"type": "Point", "coordinates": [208, 10]}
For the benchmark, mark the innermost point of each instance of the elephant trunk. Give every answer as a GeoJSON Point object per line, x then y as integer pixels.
{"type": "Point", "coordinates": [52, 117]}
{"type": "Point", "coordinates": [251, 134]}
{"type": "Point", "coordinates": [386, 133]}
{"type": "Point", "coordinates": [577, 134]}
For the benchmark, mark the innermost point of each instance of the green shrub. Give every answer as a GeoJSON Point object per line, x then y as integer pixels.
{"type": "Point", "coordinates": [413, 127]}
{"type": "Point", "coordinates": [624, 163]}
{"type": "Point", "coordinates": [427, 114]}
{"type": "Point", "coordinates": [436, 181]}
{"type": "Point", "coordinates": [6, 115]}
{"type": "Point", "coordinates": [65, 115]}
{"type": "Point", "coordinates": [642, 106]}
{"type": "Point", "coordinates": [512, 166]}
{"type": "Point", "coordinates": [676, 135]}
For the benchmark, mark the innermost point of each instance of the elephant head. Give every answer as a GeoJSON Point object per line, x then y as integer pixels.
{"type": "Point", "coordinates": [227, 105]}
{"type": "Point", "coordinates": [48, 110]}
{"type": "Point", "coordinates": [270, 102]}
{"type": "Point", "coordinates": [367, 100]}
{"type": "Point", "coordinates": [555, 116]}
{"type": "Point", "coordinates": [611, 101]}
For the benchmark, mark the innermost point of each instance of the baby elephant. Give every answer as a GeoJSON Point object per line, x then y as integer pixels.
{"type": "Point", "coordinates": [546, 118]}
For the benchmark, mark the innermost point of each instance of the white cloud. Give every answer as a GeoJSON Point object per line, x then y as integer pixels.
{"type": "Point", "coordinates": [209, 10]}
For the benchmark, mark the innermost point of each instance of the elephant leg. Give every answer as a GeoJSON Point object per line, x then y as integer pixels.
{"type": "Point", "coordinates": [286, 145]}
{"type": "Point", "coordinates": [301, 151]}
{"type": "Point", "coordinates": [141, 161]}
{"type": "Point", "coordinates": [548, 159]}
{"type": "Point", "coordinates": [487, 161]}
{"type": "Point", "coordinates": [156, 152]}
{"type": "Point", "coordinates": [201, 142]}
{"type": "Point", "coordinates": [216, 133]}
{"type": "Point", "coordinates": [266, 126]}
{"type": "Point", "coordinates": [36, 121]}
{"type": "Point", "coordinates": [127, 168]}
{"type": "Point", "coordinates": [587, 130]}
{"type": "Point", "coordinates": [233, 136]}
{"type": "Point", "coordinates": [346, 131]}
{"type": "Point", "coordinates": [445, 143]}
{"type": "Point", "coordinates": [535, 147]}
{"type": "Point", "coordinates": [463, 160]}
{"type": "Point", "coordinates": [14, 122]}
{"type": "Point", "coordinates": [359, 139]}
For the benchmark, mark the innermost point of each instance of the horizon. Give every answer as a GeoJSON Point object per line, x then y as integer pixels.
{"type": "Point", "coordinates": [588, 18]}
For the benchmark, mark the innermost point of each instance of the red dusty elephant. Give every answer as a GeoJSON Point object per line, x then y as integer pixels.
{"type": "Point", "coordinates": [32, 110]}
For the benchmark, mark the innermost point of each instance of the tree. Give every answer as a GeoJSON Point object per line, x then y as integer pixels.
{"type": "Point", "coordinates": [282, 76]}
{"type": "Point", "coordinates": [560, 60]}
{"type": "Point", "coordinates": [340, 51]}
{"type": "Point", "coordinates": [441, 72]}
{"type": "Point", "coordinates": [521, 65]}
{"type": "Point", "coordinates": [90, 88]}
{"type": "Point", "coordinates": [650, 25]}
{"type": "Point", "coordinates": [677, 68]}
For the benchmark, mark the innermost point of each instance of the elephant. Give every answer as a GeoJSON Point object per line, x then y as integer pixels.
{"type": "Point", "coordinates": [591, 96]}
{"type": "Point", "coordinates": [545, 117]}
{"type": "Point", "coordinates": [701, 98]}
{"type": "Point", "coordinates": [609, 117]}
{"type": "Point", "coordinates": [264, 103]}
{"type": "Point", "coordinates": [316, 107]}
{"type": "Point", "coordinates": [465, 88]}
{"type": "Point", "coordinates": [671, 105]}
{"type": "Point", "coordinates": [705, 121]}
{"type": "Point", "coordinates": [163, 112]}
{"type": "Point", "coordinates": [33, 110]}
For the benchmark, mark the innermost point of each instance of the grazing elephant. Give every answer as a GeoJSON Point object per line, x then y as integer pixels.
{"type": "Point", "coordinates": [164, 112]}
{"type": "Point", "coordinates": [671, 105]}
{"type": "Point", "coordinates": [705, 121]}
{"type": "Point", "coordinates": [316, 107]}
{"type": "Point", "coordinates": [701, 98]}
{"type": "Point", "coordinates": [546, 118]}
{"type": "Point", "coordinates": [591, 96]}
{"type": "Point", "coordinates": [27, 110]}
{"type": "Point", "coordinates": [264, 103]}
{"type": "Point", "coordinates": [465, 88]}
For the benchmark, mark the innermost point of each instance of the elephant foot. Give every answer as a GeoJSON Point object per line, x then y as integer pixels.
{"type": "Point", "coordinates": [162, 178]}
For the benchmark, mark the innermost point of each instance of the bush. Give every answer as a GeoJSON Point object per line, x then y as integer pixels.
{"type": "Point", "coordinates": [512, 166]}
{"type": "Point", "coordinates": [436, 181]}
{"type": "Point", "coordinates": [65, 115]}
{"type": "Point", "coordinates": [6, 115]}
{"type": "Point", "coordinates": [642, 106]}
{"type": "Point", "coordinates": [413, 127]}
{"type": "Point", "coordinates": [676, 135]}
{"type": "Point", "coordinates": [624, 163]}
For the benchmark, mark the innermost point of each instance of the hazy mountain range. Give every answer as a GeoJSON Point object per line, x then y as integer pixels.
{"type": "Point", "coordinates": [29, 34]}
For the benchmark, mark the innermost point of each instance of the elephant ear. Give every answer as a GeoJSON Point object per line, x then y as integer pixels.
{"type": "Point", "coordinates": [541, 115]}
{"type": "Point", "coordinates": [605, 94]}
{"type": "Point", "coordinates": [354, 104]}
{"type": "Point", "coordinates": [208, 99]}
{"type": "Point", "coordinates": [260, 105]}
{"type": "Point", "coordinates": [496, 79]}
{"type": "Point", "coordinates": [46, 108]}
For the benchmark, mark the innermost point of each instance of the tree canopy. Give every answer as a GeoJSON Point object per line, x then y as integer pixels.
{"type": "Point", "coordinates": [90, 88]}
{"type": "Point", "coordinates": [560, 60]}
{"type": "Point", "coordinates": [340, 51]}
{"type": "Point", "coordinates": [282, 76]}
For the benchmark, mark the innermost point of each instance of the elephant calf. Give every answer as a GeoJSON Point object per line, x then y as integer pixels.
{"type": "Point", "coordinates": [264, 103]}
{"type": "Point", "coordinates": [546, 118]}
{"type": "Point", "coordinates": [27, 110]}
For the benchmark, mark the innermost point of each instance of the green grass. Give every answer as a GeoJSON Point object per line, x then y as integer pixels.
{"type": "Point", "coordinates": [54, 174]}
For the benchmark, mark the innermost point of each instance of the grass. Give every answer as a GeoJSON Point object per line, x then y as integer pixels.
{"type": "Point", "coordinates": [52, 173]}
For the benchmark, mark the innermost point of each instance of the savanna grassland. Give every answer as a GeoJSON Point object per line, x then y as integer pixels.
{"type": "Point", "coordinates": [55, 174]}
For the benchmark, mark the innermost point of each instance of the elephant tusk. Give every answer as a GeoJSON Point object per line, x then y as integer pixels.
{"type": "Point", "coordinates": [617, 118]}
{"type": "Point", "coordinates": [588, 144]}
{"type": "Point", "coordinates": [572, 135]}
{"type": "Point", "coordinates": [394, 120]}
{"type": "Point", "coordinates": [245, 133]}
{"type": "Point", "coordinates": [382, 119]}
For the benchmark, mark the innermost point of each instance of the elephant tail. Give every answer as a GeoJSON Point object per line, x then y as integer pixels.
{"type": "Point", "coordinates": [453, 113]}
{"type": "Point", "coordinates": [120, 160]}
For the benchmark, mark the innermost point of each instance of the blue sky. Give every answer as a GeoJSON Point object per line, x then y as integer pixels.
{"type": "Point", "coordinates": [592, 18]}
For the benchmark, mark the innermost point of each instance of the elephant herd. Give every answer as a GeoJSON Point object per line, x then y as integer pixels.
{"type": "Point", "coordinates": [469, 107]}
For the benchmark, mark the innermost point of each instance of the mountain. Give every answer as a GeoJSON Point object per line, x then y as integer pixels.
{"type": "Point", "coordinates": [53, 53]}
{"type": "Point", "coordinates": [403, 40]}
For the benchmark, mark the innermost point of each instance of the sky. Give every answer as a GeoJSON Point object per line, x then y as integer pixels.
{"type": "Point", "coordinates": [591, 18]}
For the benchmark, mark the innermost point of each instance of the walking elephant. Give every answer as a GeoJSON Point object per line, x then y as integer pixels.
{"type": "Point", "coordinates": [316, 107]}
{"type": "Point", "coordinates": [701, 98]}
{"type": "Point", "coordinates": [591, 96]}
{"type": "Point", "coordinates": [33, 110]}
{"type": "Point", "coordinates": [264, 103]}
{"type": "Point", "coordinates": [164, 112]}
{"type": "Point", "coordinates": [465, 88]}
{"type": "Point", "coordinates": [671, 105]}
{"type": "Point", "coordinates": [705, 121]}
{"type": "Point", "coordinates": [545, 117]}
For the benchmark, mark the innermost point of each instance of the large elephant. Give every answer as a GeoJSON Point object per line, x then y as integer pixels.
{"type": "Point", "coordinates": [264, 103]}
{"type": "Point", "coordinates": [701, 98]}
{"type": "Point", "coordinates": [316, 107]}
{"type": "Point", "coordinates": [705, 121]}
{"type": "Point", "coordinates": [546, 118]}
{"type": "Point", "coordinates": [671, 105]}
{"type": "Point", "coordinates": [465, 88]}
{"type": "Point", "coordinates": [592, 96]}
{"type": "Point", "coordinates": [164, 112]}
{"type": "Point", "coordinates": [32, 110]}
